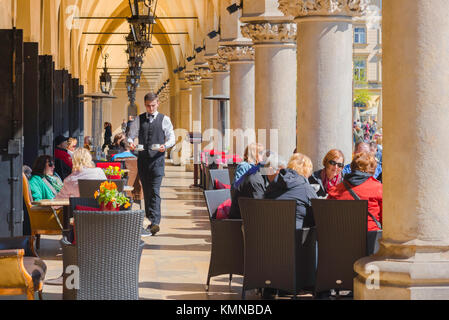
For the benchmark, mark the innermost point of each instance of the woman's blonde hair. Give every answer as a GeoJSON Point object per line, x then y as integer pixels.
{"type": "Point", "coordinates": [81, 159]}
{"type": "Point", "coordinates": [301, 164]}
{"type": "Point", "coordinates": [252, 151]}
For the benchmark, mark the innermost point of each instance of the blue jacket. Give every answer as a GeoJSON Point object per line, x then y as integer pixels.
{"type": "Point", "coordinates": [242, 168]}
{"type": "Point", "coordinates": [123, 155]}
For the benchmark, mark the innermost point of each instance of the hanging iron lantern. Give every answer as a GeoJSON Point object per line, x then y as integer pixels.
{"type": "Point", "coordinates": [142, 21]}
{"type": "Point", "coordinates": [105, 78]}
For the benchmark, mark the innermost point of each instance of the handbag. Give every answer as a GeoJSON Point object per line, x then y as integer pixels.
{"type": "Point", "coordinates": [356, 197]}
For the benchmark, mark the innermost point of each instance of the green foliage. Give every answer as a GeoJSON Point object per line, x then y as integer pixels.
{"type": "Point", "coordinates": [362, 97]}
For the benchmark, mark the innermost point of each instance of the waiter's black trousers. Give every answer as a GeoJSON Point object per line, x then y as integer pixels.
{"type": "Point", "coordinates": [151, 172]}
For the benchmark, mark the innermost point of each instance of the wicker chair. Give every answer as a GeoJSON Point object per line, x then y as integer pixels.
{"type": "Point", "coordinates": [107, 246]}
{"type": "Point", "coordinates": [231, 170]}
{"type": "Point", "coordinates": [87, 188]}
{"type": "Point", "coordinates": [21, 271]}
{"type": "Point", "coordinates": [134, 181]}
{"type": "Point", "coordinates": [227, 239]}
{"type": "Point", "coordinates": [342, 240]}
{"type": "Point", "coordinates": [270, 239]}
{"type": "Point", "coordinates": [221, 175]}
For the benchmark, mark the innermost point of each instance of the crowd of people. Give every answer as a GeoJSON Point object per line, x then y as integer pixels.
{"type": "Point", "coordinates": [366, 131]}
{"type": "Point", "coordinates": [265, 175]}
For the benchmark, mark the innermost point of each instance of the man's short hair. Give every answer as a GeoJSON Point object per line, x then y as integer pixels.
{"type": "Point", "coordinates": [150, 97]}
{"type": "Point", "coordinates": [361, 144]}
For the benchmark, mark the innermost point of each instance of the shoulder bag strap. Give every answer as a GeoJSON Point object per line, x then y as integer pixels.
{"type": "Point", "coordinates": [356, 197]}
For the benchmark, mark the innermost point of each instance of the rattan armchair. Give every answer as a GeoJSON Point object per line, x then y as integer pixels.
{"type": "Point", "coordinates": [221, 175]}
{"type": "Point", "coordinates": [270, 238]}
{"type": "Point", "coordinates": [21, 272]}
{"type": "Point", "coordinates": [108, 251]}
{"type": "Point", "coordinates": [227, 239]}
{"type": "Point", "coordinates": [134, 181]}
{"type": "Point", "coordinates": [342, 240]}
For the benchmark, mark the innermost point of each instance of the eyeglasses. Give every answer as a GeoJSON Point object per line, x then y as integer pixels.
{"type": "Point", "coordinates": [51, 164]}
{"type": "Point", "coordinates": [333, 163]}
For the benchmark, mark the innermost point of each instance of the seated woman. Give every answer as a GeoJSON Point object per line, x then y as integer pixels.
{"type": "Point", "coordinates": [362, 182]}
{"type": "Point", "coordinates": [253, 184]}
{"type": "Point", "coordinates": [253, 155]}
{"type": "Point", "coordinates": [83, 168]}
{"type": "Point", "coordinates": [292, 184]}
{"type": "Point", "coordinates": [117, 144]}
{"type": "Point", "coordinates": [88, 143]}
{"type": "Point", "coordinates": [126, 154]}
{"type": "Point", "coordinates": [71, 145]}
{"type": "Point", "coordinates": [44, 183]}
{"type": "Point", "coordinates": [331, 175]}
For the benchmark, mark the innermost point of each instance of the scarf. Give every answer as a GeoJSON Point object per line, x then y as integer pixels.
{"type": "Point", "coordinates": [329, 184]}
{"type": "Point", "coordinates": [55, 182]}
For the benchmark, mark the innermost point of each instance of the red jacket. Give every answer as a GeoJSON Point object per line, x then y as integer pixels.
{"type": "Point", "coordinates": [63, 155]}
{"type": "Point", "coordinates": [370, 190]}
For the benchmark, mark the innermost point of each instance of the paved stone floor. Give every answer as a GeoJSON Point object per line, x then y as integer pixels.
{"type": "Point", "coordinates": [175, 262]}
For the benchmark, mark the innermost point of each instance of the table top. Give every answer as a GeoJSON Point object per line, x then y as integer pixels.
{"type": "Point", "coordinates": [52, 203]}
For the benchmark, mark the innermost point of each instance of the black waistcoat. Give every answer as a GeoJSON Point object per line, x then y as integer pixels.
{"type": "Point", "coordinates": [151, 133]}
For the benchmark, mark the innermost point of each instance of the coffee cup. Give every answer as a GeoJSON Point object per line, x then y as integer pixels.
{"type": "Point", "coordinates": [155, 147]}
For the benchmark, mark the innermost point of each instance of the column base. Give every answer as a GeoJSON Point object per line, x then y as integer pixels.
{"type": "Point", "coordinates": [189, 166]}
{"type": "Point", "coordinates": [415, 270]}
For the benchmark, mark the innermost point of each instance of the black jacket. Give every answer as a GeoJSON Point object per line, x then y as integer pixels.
{"type": "Point", "coordinates": [108, 135]}
{"type": "Point", "coordinates": [315, 178]}
{"type": "Point", "coordinates": [289, 185]}
{"type": "Point", "coordinates": [252, 186]}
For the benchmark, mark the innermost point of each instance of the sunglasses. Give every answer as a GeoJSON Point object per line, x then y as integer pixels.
{"type": "Point", "coordinates": [51, 164]}
{"type": "Point", "coordinates": [333, 163]}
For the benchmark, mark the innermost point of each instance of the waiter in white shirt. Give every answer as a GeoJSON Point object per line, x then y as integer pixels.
{"type": "Point", "coordinates": [156, 135]}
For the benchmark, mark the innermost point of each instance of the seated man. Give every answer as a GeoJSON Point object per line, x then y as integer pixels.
{"type": "Point", "coordinates": [63, 160]}
{"type": "Point", "coordinates": [254, 182]}
{"type": "Point", "coordinates": [359, 148]}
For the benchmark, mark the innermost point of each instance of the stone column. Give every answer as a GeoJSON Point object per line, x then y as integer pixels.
{"type": "Point", "coordinates": [275, 81]}
{"type": "Point", "coordinates": [413, 259]}
{"type": "Point", "coordinates": [195, 84]}
{"type": "Point", "coordinates": [185, 104]}
{"type": "Point", "coordinates": [207, 90]}
{"type": "Point", "coordinates": [242, 100]}
{"type": "Point", "coordinates": [221, 83]}
{"type": "Point", "coordinates": [325, 54]}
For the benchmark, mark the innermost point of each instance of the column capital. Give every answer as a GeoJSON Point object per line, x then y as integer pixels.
{"type": "Point", "coordinates": [218, 64]}
{"type": "Point", "coordinates": [194, 78]}
{"type": "Point", "coordinates": [237, 53]}
{"type": "Point", "coordinates": [305, 8]}
{"type": "Point", "coordinates": [270, 32]}
{"type": "Point", "coordinates": [205, 73]}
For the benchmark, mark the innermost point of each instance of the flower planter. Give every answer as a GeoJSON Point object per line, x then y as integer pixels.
{"type": "Point", "coordinates": [108, 207]}
{"type": "Point", "coordinates": [115, 177]}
